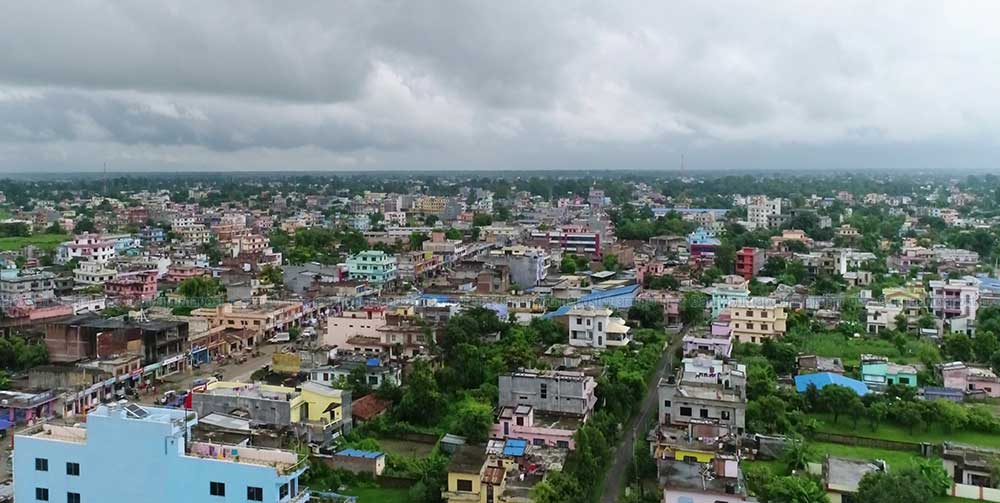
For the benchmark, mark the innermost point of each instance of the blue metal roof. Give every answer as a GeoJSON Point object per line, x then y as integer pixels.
{"type": "Point", "coordinates": [357, 453]}
{"type": "Point", "coordinates": [515, 447]}
{"type": "Point", "coordinates": [439, 298]}
{"type": "Point", "coordinates": [373, 362]}
{"type": "Point", "coordinates": [615, 298]}
{"type": "Point", "coordinates": [822, 379]}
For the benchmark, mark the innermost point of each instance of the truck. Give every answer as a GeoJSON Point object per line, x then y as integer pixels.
{"type": "Point", "coordinates": [279, 338]}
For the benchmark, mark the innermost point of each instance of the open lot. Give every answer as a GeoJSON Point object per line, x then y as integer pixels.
{"type": "Point", "coordinates": [934, 435]}
{"type": "Point", "coordinates": [406, 447]}
{"type": "Point", "coordinates": [44, 241]}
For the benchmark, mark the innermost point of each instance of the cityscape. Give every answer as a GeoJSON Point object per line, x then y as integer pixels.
{"type": "Point", "coordinates": [507, 338]}
{"type": "Point", "coordinates": [499, 252]}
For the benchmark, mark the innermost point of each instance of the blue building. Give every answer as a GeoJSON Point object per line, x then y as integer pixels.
{"type": "Point", "coordinates": [137, 453]}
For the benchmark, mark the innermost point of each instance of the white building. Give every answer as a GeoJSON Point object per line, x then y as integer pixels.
{"type": "Point", "coordinates": [760, 208]}
{"type": "Point", "coordinates": [597, 328]}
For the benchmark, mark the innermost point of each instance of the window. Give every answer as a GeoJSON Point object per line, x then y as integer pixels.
{"type": "Point", "coordinates": [255, 494]}
{"type": "Point", "coordinates": [703, 413]}
{"type": "Point", "coordinates": [544, 390]}
{"type": "Point", "coordinates": [41, 464]}
{"type": "Point", "coordinates": [600, 326]}
{"type": "Point", "coordinates": [520, 421]}
{"type": "Point", "coordinates": [216, 489]}
{"type": "Point", "coordinates": [72, 497]}
{"type": "Point", "coordinates": [666, 403]}
{"type": "Point", "coordinates": [686, 411]}
{"type": "Point", "coordinates": [724, 414]}
{"type": "Point", "coordinates": [41, 494]}
{"type": "Point", "coordinates": [562, 444]}
{"type": "Point", "coordinates": [588, 322]}
{"type": "Point", "coordinates": [464, 485]}
{"type": "Point", "coordinates": [73, 469]}
{"type": "Point", "coordinates": [283, 491]}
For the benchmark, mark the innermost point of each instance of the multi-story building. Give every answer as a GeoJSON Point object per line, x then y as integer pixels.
{"type": "Point", "coordinates": [749, 262]}
{"type": "Point", "coordinates": [760, 208]}
{"type": "Point", "coordinates": [955, 298]}
{"type": "Point", "coordinates": [971, 380]}
{"type": "Point", "coordinates": [374, 266]}
{"type": "Point", "coordinates": [26, 286]}
{"type": "Point", "coordinates": [93, 272]}
{"type": "Point", "coordinates": [528, 266]}
{"type": "Point", "coordinates": [130, 452]}
{"type": "Point", "coordinates": [731, 289]}
{"type": "Point", "coordinates": [86, 246]}
{"type": "Point", "coordinates": [596, 328]}
{"type": "Point", "coordinates": [756, 319]}
{"type": "Point", "coordinates": [132, 288]}
{"type": "Point", "coordinates": [557, 392]}
{"type": "Point", "coordinates": [417, 265]}
{"type": "Point", "coordinates": [263, 317]}
{"type": "Point", "coordinates": [569, 239]}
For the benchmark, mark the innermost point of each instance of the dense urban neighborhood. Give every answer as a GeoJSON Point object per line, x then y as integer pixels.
{"type": "Point", "coordinates": [509, 337]}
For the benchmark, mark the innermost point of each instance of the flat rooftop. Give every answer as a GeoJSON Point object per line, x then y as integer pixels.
{"type": "Point", "coordinates": [252, 390]}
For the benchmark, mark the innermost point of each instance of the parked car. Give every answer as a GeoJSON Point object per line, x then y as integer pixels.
{"type": "Point", "coordinates": [279, 338]}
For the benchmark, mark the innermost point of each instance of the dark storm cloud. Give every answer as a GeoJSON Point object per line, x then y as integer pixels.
{"type": "Point", "coordinates": [488, 85]}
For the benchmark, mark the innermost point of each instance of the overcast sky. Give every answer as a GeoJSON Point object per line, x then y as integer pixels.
{"type": "Point", "coordinates": [480, 85]}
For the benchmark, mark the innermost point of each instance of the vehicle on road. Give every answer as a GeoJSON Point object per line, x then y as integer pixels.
{"type": "Point", "coordinates": [280, 337]}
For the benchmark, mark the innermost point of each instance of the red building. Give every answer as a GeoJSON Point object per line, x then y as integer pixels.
{"type": "Point", "coordinates": [131, 288]}
{"type": "Point", "coordinates": [749, 261]}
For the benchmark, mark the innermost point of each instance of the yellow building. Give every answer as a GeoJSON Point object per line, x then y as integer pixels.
{"type": "Point", "coordinates": [756, 319]}
{"type": "Point", "coordinates": [473, 477]}
{"type": "Point", "coordinates": [263, 317]}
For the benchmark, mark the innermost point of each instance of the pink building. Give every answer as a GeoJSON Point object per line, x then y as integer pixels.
{"type": "Point", "coordinates": [671, 302]}
{"type": "Point", "coordinates": [717, 342]}
{"type": "Point", "coordinates": [131, 288]}
{"type": "Point", "coordinates": [521, 422]}
{"type": "Point", "coordinates": [971, 380]}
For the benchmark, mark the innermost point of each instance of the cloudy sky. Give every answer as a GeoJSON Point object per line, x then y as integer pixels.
{"type": "Point", "coordinates": [382, 84]}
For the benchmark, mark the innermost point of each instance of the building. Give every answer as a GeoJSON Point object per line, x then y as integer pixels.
{"type": "Point", "coordinates": [537, 429]}
{"type": "Point", "coordinates": [312, 408]}
{"type": "Point", "coordinates": [372, 371]}
{"type": "Point", "coordinates": [358, 461]}
{"type": "Point", "coordinates": [139, 453]}
{"type": "Point", "coordinates": [760, 208]}
{"type": "Point", "coordinates": [474, 477]}
{"type": "Point", "coordinates": [569, 239]}
{"type": "Point", "coordinates": [841, 476]}
{"type": "Point", "coordinates": [26, 286]}
{"type": "Point", "coordinates": [973, 381]}
{"type": "Point", "coordinates": [528, 266]}
{"type": "Point", "coordinates": [374, 266]}
{"type": "Point", "coordinates": [749, 262]}
{"type": "Point", "coordinates": [705, 390]}
{"type": "Point", "coordinates": [596, 328]}
{"type": "Point", "coordinates": [132, 288]}
{"type": "Point", "coordinates": [718, 481]}
{"type": "Point", "coordinates": [556, 392]}
{"type": "Point", "coordinates": [733, 288]}
{"type": "Point", "coordinates": [756, 319]}
{"type": "Point", "coordinates": [87, 247]}
{"type": "Point", "coordinates": [955, 298]}
{"type": "Point", "coordinates": [263, 317]}
{"type": "Point", "coordinates": [878, 371]}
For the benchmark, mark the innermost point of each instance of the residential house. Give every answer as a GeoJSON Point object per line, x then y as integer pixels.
{"type": "Point", "coordinates": [555, 392]}
{"type": "Point", "coordinates": [148, 447]}
{"type": "Point", "coordinates": [878, 371]}
{"type": "Point", "coordinates": [757, 319]}
{"type": "Point", "coordinates": [974, 381]}
{"type": "Point", "coordinates": [374, 266]}
{"type": "Point", "coordinates": [597, 328]}
{"type": "Point", "coordinates": [749, 262]}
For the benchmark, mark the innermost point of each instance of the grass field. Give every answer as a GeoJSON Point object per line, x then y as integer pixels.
{"type": "Point", "coordinates": [405, 447]}
{"type": "Point", "coordinates": [378, 495]}
{"type": "Point", "coordinates": [849, 350]}
{"type": "Point", "coordinates": [43, 241]}
{"type": "Point", "coordinates": [934, 435]}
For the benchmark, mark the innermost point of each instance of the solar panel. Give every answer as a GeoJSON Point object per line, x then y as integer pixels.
{"type": "Point", "coordinates": [136, 411]}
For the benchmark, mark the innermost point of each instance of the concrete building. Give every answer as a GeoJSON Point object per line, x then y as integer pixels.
{"type": "Point", "coordinates": [528, 266]}
{"type": "Point", "coordinates": [760, 208]}
{"type": "Point", "coordinates": [86, 247]}
{"type": "Point", "coordinates": [263, 317]}
{"type": "Point", "coordinates": [26, 286]}
{"type": "Point", "coordinates": [718, 481]}
{"type": "Point", "coordinates": [139, 453]}
{"type": "Point", "coordinates": [374, 266]}
{"type": "Point", "coordinates": [537, 429]}
{"type": "Point", "coordinates": [973, 381]}
{"type": "Point", "coordinates": [756, 319]}
{"type": "Point", "coordinates": [749, 262]}
{"type": "Point", "coordinates": [955, 298]}
{"type": "Point", "coordinates": [549, 391]}
{"type": "Point", "coordinates": [705, 389]}
{"type": "Point", "coordinates": [878, 371]}
{"type": "Point", "coordinates": [597, 328]}
{"type": "Point", "coordinates": [731, 289]}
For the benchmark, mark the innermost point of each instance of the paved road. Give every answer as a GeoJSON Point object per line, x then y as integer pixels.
{"type": "Point", "coordinates": [231, 372]}
{"type": "Point", "coordinates": [623, 453]}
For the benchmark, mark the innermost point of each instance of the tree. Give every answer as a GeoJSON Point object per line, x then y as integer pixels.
{"type": "Point", "coordinates": [481, 219]}
{"type": "Point", "coordinates": [417, 240]}
{"type": "Point", "coordinates": [272, 274]}
{"type": "Point", "coordinates": [919, 483]}
{"type": "Point", "coordinates": [984, 345]}
{"type": "Point", "coordinates": [567, 265]}
{"type": "Point", "coordinates": [877, 412]}
{"type": "Point", "coordinates": [610, 262]}
{"type": "Point", "coordinates": [648, 314]}
{"type": "Point", "coordinates": [793, 489]}
{"type": "Point", "coordinates": [422, 403]}
{"type": "Point", "coordinates": [200, 287]}
{"type": "Point", "coordinates": [908, 415]}
{"type": "Point", "coordinates": [958, 347]}
{"type": "Point", "coordinates": [950, 414]}
{"type": "Point", "coordinates": [474, 420]}
{"type": "Point", "coordinates": [430, 220]}
{"type": "Point", "coordinates": [838, 400]}
{"type": "Point", "coordinates": [692, 308]}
